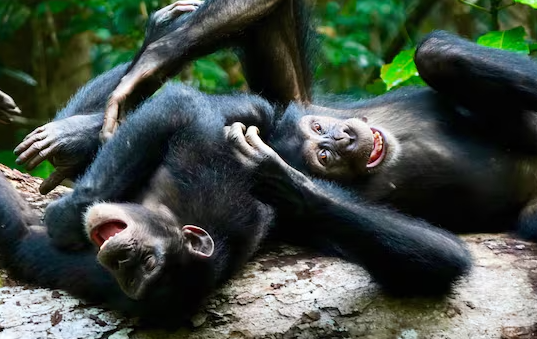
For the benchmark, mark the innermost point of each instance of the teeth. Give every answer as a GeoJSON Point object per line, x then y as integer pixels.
{"type": "Point", "coordinates": [107, 240]}
{"type": "Point", "coordinates": [380, 141]}
{"type": "Point", "coordinates": [103, 245]}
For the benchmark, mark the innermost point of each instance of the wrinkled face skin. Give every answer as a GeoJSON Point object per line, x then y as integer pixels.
{"type": "Point", "coordinates": [135, 243]}
{"type": "Point", "coordinates": [343, 149]}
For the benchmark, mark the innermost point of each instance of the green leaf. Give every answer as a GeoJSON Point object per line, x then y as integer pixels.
{"type": "Point", "coordinates": [510, 40]}
{"type": "Point", "coordinates": [531, 3]}
{"type": "Point", "coordinates": [377, 87]}
{"type": "Point", "coordinates": [401, 69]}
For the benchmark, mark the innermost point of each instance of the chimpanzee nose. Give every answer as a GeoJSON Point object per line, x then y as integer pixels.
{"type": "Point", "coordinates": [343, 140]}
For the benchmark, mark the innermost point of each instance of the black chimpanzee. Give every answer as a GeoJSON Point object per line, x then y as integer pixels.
{"type": "Point", "coordinates": [448, 153]}
{"type": "Point", "coordinates": [168, 168]}
{"type": "Point", "coordinates": [181, 219]}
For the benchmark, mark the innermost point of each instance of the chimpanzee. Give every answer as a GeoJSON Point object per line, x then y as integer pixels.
{"type": "Point", "coordinates": [447, 153]}
{"type": "Point", "coordinates": [8, 108]}
{"type": "Point", "coordinates": [434, 153]}
{"type": "Point", "coordinates": [169, 168]}
{"type": "Point", "coordinates": [178, 222]}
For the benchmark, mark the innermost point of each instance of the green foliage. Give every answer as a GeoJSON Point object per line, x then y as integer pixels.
{"type": "Point", "coordinates": [400, 70]}
{"type": "Point", "coordinates": [510, 40]}
{"type": "Point", "coordinates": [531, 3]}
{"type": "Point", "coordinates": [8, 158]}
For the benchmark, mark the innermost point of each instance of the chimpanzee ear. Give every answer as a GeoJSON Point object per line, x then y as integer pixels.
{"type": "Point", "coordinates": [198, 241]}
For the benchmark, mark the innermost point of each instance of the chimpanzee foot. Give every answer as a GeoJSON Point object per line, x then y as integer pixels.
{"type": "Point", "coordinates": [8, 108]}
{"type": "Point", "coordinates": [173, 11]}
{"type": "Point", "coordinates": [69, 144]}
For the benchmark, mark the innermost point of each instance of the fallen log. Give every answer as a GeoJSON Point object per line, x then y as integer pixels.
{"type": "Point", "coordinates": [289, 293]}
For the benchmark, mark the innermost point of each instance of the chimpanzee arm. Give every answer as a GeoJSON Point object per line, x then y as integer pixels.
{"type": "Point", "coordinates": [71, 140]}
{"type": "Point", "coordinates": [28, 254]}
{"type": "Point", "coordinates": [484, 80]}
{"type": "Point", "coordinates": [405, 255]}
{"type": "Point", "coordinates": [123, 166]}
{"type": "Point", "coordinates": [213, 25]}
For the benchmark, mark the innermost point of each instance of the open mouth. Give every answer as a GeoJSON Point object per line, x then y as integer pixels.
{"type": "Point", "coordinates": [103, 233]}
{"type": "Point", "coordinates": [379, 149]}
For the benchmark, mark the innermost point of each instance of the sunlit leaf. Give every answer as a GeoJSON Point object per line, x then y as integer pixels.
{"type": "Point", "coordinates": [531, 3]}
{"type": "Point", "coordinates": [401, 69]}
{"type": "Point", "coordinates": [510, 40]}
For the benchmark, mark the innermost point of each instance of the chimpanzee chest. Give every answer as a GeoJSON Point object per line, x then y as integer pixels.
{"type": "Point", "coordinates": [461, 184]}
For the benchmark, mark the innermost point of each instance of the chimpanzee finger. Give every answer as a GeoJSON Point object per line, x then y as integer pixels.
{"type": "Point", "coordinates": [33, 150]}
{"type": "Point", "coordinates": [110, 118]}
{"type": "Point", "coordinates": [253, 139]}
{"type": "Point", "coordinates": [236, 136]}
{"type": "Point", "coordinates": [27, 142]}
{"type": "Point", "coordinates": [54, 179]}
{"type": "Point", "coordinates": [41, 156]}
{"type": "Point", "coordinates": [35, 131]}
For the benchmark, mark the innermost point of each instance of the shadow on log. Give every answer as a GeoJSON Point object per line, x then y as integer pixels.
{"type": "Point", "coordinates": [287, 293]}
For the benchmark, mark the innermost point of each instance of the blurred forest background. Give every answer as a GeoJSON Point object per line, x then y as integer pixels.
{"type": "Point", "coordinates": [48, 49]}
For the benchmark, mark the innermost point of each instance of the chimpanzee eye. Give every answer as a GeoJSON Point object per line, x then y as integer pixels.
{"type": "Point", "coordinates": [317, 127]}
{"type": "Point", "coordinates": [323, 156]}
{"type": "Point", "coordinates": [150, 262]}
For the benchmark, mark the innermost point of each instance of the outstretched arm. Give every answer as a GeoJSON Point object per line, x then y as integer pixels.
{"type": "Point", "coordinates": [483, 79]}
{"type": "Point", "coordinates": [405, 255]}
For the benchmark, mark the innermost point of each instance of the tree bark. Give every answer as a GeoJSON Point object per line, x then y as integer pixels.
{"type": "Point", "coordinates": [290, 293]}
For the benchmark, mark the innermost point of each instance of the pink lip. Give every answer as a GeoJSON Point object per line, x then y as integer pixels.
{"type": "Point", "coordinates": [382, 155]}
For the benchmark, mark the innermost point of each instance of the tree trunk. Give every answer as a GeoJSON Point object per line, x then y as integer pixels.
{"type": "Point", "coordinates": [289, 293]}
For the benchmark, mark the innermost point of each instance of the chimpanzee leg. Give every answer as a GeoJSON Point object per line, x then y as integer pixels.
{"type": "Point", "coordinates": [497, 88]}
{"type": "Point", "coordinates": [527, 221]}
{"type": "Point", "coordinates": [183, 40]}
{"type": "Point", "coordinates": [483, 79]}
{"type": "Point", "coordinates": [276, 55]}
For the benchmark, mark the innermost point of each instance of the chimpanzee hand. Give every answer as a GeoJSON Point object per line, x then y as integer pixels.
{"type": "Point", "coordinates": [277, 182]}
{"type": "Point", "coordinates": [145, 76]}
{"type": "Point", "coordinates": [248, 147]}
{"type": "Point", "coordinates": [63, 219]}
{"type": "Point", "coordinates": [7, 108]}
{"type": "Point", "coordinates": [69, 144]}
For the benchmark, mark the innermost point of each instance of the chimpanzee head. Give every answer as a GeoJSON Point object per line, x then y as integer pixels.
{"type": "Point", "coordinates": [144, 249]}
{"type": "Point", "coordinates": [332, 147]}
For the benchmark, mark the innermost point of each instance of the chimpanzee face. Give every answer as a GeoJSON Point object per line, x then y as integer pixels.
{"type": "Point", "coordinates": [137, 244]}
{"type": "Point", "coordinates": [342, 149]}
